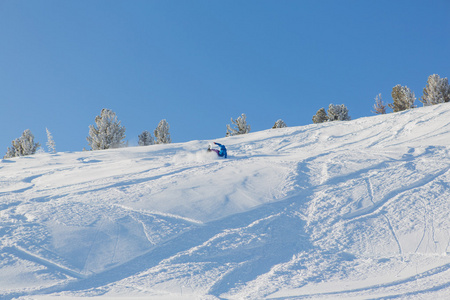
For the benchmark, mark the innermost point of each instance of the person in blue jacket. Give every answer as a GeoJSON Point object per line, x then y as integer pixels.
{"type": "Point", "coordinates": [222, 152]}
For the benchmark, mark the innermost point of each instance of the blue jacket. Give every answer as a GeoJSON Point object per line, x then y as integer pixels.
{"type": "Point", "coordinates": [222, 151]}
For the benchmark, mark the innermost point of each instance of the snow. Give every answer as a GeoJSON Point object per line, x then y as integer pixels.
{"type": "Point", "coordinates": [353, 209]}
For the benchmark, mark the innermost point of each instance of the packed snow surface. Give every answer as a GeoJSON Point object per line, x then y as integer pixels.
{"type": "Point", "coordinates": [355, 209]}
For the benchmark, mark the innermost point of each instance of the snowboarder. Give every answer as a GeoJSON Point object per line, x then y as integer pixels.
{"type": "Point", "coordinates": [222, 152]}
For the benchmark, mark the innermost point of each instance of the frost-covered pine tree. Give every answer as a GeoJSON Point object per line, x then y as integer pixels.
{"type": "Point", "coordinates": [279, 124]}
{"type": "Point", "coordinates": [240, 125]}
{"type": "Point", "coordinates": [338, 113]}
{"type": "Point", "coordinates": [403, 98]}
{"type": "Point", "coordinates": [23, 146]}
{"type": "Point", "coordinates": [50, 142]}
{"type": "Point", "coordinates": [436, 91]}
{"type": "Point", "coordinates": [162, 135]}
{"type": "Point", "coordinates": [108, 133]}
{"type": "Point", "coordinates": [379, 106]}
{"type": "Point", "coordinates": [320, 116]}
{"type": "Point", "coordinates": [145, 138]}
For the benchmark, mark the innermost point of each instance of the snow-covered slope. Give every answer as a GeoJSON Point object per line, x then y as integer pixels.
{"type": "Point", "coordinates": [356, 209]}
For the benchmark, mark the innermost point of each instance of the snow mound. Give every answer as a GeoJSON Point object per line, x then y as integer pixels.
{"type": "Point", "coordinates": [351, 209]}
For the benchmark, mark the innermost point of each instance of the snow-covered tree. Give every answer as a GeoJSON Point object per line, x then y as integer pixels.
{"type": "Point", "coordinates": [240, 124]}
{"type": "Point", "coordinates": [320, 116]}
{"type": "Point", "coordinates": [162, 135]}
{"type": "Point", "coordinates": [279, 124]}
{"type": "Point", "coordinates": [403, 98]}
{"type": "Point", "coordinates": [338, 113]}
{"type": "Point", "coordinates": [145, 138]}
{"type": "Point", "coordinates": [23, 146]}
{"type": "Point", "coordinates": [108, 133]}
{"type": "Point", "coordinates": [379, 106]}
{"type": "Point", "coordinates": [50, 142]}
{"type": "Point", "coordinates": [436, 91]}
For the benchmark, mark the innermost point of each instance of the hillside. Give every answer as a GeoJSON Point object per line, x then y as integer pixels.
{"type": "Point", "coordinates": [356, 209]}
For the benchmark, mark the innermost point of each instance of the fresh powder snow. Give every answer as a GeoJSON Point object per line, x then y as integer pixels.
{"type": "Point", "coordinates": [348, 209]}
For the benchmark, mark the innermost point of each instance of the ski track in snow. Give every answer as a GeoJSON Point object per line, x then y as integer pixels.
{"type": "Point", "coordinates": [355, 209]}
{"type": "Point", "coordinates": [388, 290]}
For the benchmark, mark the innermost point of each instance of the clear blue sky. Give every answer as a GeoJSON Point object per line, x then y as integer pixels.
{"type": "Point", "coordinates": [199, 63]}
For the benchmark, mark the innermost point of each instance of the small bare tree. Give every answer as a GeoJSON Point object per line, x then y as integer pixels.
{"type": "Point", "coordinates": [241, 126]}
{"type": "Point", "coordinates": [379, 106]}
{"type": "Point", "coordinates": [50, 142]}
